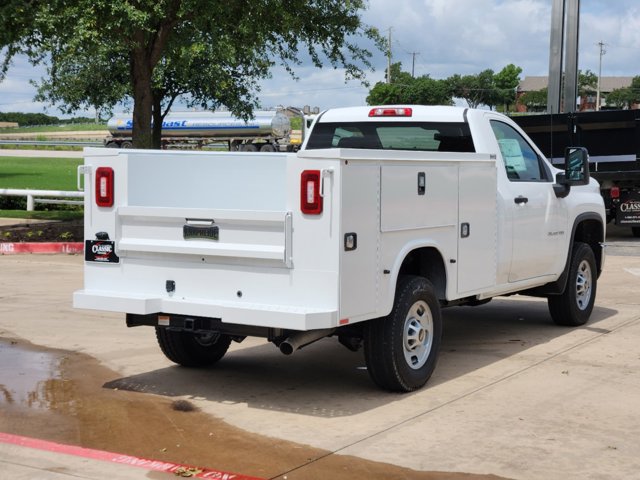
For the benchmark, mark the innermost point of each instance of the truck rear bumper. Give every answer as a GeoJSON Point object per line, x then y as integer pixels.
{"type": "Point", "coordinates": [271, 316]}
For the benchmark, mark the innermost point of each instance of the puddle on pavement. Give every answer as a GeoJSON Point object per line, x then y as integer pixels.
{"type": "Point", "coordinates": [32, 379]}
{"type": "Point", "coordinates": [60, 396]}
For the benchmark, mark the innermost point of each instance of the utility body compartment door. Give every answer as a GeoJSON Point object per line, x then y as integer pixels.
{"type": "Point", "coordinates": [477, 242]}
{"type": "Point", "coordinates": [454, 213]}
{"type": "Point", "coordinates": [360, 225]}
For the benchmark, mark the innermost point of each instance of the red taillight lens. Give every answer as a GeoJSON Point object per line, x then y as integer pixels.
{"type": "Point", "coordinates": [104, 187]}
{"type": "Point", "coordinates": [391, 112]}
{"type": "Point", "coordinates": [310, 199]}
{"type": "Point", "coordinates": [615, 192]}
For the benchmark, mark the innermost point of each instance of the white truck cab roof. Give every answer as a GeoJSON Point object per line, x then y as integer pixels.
{"type": "Point", "coordinates": [412, 113]}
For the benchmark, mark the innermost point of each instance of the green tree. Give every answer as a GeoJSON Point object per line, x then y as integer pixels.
{"type": "Point", "coordinates": [79, 82]}
{"type": "Point", "coordinates": [214, 51]}
{"type": "Point", "coordinates": [587, 83]}
{"type": "Point", "coordinates": [620, 98]}
{"type": "Point", "coordinates": [506, 81]}
{"type": "Point", "coordinates": [429, 91]}
{"type": "Point", "coordinates": [476, 89]}
{"type": "Point", "coordinates": [404, 89]}
{"type": "Point", "coordinates": [535, 100]}
{"type": "Point", "coordinates": [625, 97]}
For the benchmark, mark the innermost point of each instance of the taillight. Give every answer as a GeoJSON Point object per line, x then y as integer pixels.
{"type": "Point", "coordinates": [615, 192]}
{"type": "Point", "coordinates": [391, 112]}
{"type": "Point", "coordinates": [310, 199]}
{"type": "Point", "coordinates": [104, 187]}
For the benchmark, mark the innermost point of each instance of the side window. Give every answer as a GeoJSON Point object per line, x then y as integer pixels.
{"type": "Point", "coordinates": [520, 160]}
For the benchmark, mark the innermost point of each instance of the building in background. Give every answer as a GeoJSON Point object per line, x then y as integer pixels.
{"type": "Point", "coordinates": [583, 103]}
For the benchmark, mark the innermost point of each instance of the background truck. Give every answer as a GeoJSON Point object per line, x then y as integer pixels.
{"type": "Point", "coordinates": [384, 217]}
{"type": "Point", "coordinates": [267, 131]}
{"type": "Point", "coordinates": [612, 138]}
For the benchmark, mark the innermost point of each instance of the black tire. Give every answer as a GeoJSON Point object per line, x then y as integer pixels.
{"type": "Point", "coordinates": [248, 147]}
{"type": "Point", "coordinates": [635, 231]}
{"type": "Point", "coordinates": [573, 307]}
{"type": "Point", "coordinates": [192, 350]}
{"type": "Point", "coordinates": [401, 349]}
{"type": "Point", "coordinates": [267, 147]}
{"type": "Point", "coordinates": [126, 144]}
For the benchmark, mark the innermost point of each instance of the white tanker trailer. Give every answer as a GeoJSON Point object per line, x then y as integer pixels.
{"type": "Point", "coordinates": [268, 131]}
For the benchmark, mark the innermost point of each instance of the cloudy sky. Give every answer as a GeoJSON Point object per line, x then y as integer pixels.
{"type": "Point", "coordinates": [447, 37]}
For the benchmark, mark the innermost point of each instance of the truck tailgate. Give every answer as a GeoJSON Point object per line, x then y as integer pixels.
{"type": "Point", "coordinates": [207, 234]}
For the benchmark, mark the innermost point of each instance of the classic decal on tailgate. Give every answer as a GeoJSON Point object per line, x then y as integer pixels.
{"type": "Point", "coordinates": [103, 251]}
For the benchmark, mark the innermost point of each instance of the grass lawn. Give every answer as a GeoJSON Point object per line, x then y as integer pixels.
{"type": "Point", "coordinates": [39, 173]}
{"type": "Point", "coordinates": [76, 127]}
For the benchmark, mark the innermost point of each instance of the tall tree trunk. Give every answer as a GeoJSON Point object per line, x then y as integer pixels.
{"type": "Point", "coordinates": [158, 117]}
{"type": "Point", "coordinates": [142, 98]}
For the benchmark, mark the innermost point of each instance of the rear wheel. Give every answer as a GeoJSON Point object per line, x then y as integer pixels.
{"type": "Point", "coordinates": [635, 231]}
{"type": "Point", "coordinates": [248, 147]}
{"type": "Point", "coordinates": [192, 349]}
{"type": "Point", "coordinates": [267, 147]}
{"type": "Point", "coordinates": [401, 349]}
{"type": "Point", "coordinates": [574, 306]}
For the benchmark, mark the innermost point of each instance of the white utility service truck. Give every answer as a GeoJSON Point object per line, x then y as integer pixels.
{"type": "Point", "coordinates": [385, 216]}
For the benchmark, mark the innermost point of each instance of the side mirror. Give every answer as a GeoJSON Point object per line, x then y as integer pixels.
{"type": "Point", "coordinates": [576, 166]}
{"type": "Point", "coordinates": [576, 171]}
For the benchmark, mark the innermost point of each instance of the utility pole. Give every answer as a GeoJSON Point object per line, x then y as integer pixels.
{"type": "Point", "coordinates": [389, 57]}
{"type": "Point", "coordinates": [413, 63]}
{"type": "Point", "coordinates": [563, 36]}
{"type": "Point", "coordinates": [556, 55]}
{"type": "Point", "coordinates": [601, 44]}
{"type": "Point", "coordinates": [571, 56]}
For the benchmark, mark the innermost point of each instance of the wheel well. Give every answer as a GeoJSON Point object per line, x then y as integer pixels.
{"type": "Point", "coordinates": [591, 232]}
{"type": "Point", "coordinates": [427, 262]}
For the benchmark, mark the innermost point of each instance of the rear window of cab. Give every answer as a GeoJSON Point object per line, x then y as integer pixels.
{"type": "Point", "coordinates": [422, 136]}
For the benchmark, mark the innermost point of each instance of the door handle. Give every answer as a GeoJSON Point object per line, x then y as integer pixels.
{"type": "Point", "coordinates": [520, 199]}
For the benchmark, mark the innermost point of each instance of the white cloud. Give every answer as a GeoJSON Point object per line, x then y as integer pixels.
{"type": "Point", "coordinates": [324, 88]}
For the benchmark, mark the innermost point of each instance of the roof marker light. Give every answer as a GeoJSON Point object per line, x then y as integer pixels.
{"type": "Point", "coordinates": [391, 112]}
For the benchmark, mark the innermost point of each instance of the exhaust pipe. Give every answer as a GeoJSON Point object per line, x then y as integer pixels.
{"type": "Point", "coordinates": [301, 339]}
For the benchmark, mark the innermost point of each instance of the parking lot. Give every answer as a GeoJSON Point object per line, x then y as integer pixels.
{"type": "Point", "coordinates": [512, 396]}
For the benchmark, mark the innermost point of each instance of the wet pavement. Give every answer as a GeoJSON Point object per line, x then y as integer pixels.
{"type": "Point", "coordinates": [65, 397]}
{"type": "Point", "coordinates": [512, 394]}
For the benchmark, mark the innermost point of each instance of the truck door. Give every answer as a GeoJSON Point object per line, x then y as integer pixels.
{"type": "Point", "coordinates": [539, 218]}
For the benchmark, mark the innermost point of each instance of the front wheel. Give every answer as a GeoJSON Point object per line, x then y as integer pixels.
{"type": "Point", "coordinates": [401, 349]}
{"type": "Point", "coordinates": [192, 349]}
{"type": "Point", "coordinates": [574, 306]}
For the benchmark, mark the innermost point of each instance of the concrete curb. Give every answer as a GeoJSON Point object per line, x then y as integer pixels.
{"type": "Point", "coordinates": [8, 248]}
{"type": "Point", "coordinates": [91, 459]}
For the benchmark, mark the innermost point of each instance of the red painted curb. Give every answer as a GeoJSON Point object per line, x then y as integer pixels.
{"type": "Point", "coordinates": [154, 465]}
{"type": "Point", "coordinates": [8, 248]}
